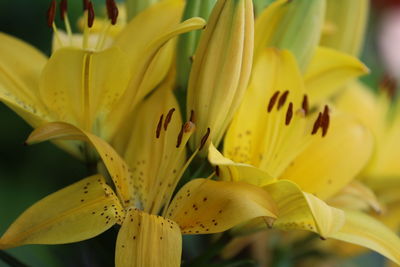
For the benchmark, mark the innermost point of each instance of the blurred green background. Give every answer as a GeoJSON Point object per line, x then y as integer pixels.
{"type": "Point", "coordinates": [28, 173]}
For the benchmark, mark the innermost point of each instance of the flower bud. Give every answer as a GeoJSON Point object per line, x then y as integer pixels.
{"type": "Point", "coordinates": [221, 69]}
{"type": "Point", "coordinates": [293, 25]}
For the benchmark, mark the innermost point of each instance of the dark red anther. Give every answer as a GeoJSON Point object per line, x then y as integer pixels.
{"type": "Point", "coordinates": [317, 124]}
{"type": "Point", "coordinates": [282, 99]}
{"type": "Point", "coordinates": [272, 101]}
{"type": "Point", "coordinates": [304, 104]}
{"type": "Point", "coordinates": [85, 4]}
{"type": "Point", "coordinates": [63, 8]}
{"type": "Point", "coordinates": [168, 118]}
{"type": "Point", "coordinates": [289, 113]}
{"type": "Point", "coordinates": [90, 15]}
{"type": "Point", "coordinates": [180, 135]}
{"type": "Point", "coordinates": [51, 13]}
{"type": "Point", "coordinates": [325, 121]}
{"type": "Point", "coordinates": [192, 116]}
{"type": "Point", "coordinates": [204, 139]}
{"type": "Point", "coordinates": [112, 11]}
{"type": "Point", "coordinates": [159, 125]}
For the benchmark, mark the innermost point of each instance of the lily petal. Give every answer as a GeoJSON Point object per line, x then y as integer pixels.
{"type": "Point", "coordinates": [83, 86]}
{"type": "Point", "coordinates": [20, 69]}
{"type": "Point", "coordinates": [152, 153]}
{"type": "Point", "coordinates": [160, 17]}
{"type": "Point", "coordinates": [148, 240]}
{"type": "Point", "coordinates": [205, 206]}
{"type": "Point", "coordinates": [116, 166]}
{"type": "Point", "coordinates": [139, 85]}
{"type": "Point", "coordinates": [329, 71]}
{"type": "Point", "coordinates": [77, 212]}
{"type": "Point", "coordinates": [229, 170]}
{"type": "Point", "coordinates": [271, 16]}
{"type": "Point", "coordinates": [365, 231]}
{"type": "Point", "coordinates": [356, 196]}
{"type": "Point", "coordinates": [331, 162]}
{"type": "Point", "coordinates": [300, 210]}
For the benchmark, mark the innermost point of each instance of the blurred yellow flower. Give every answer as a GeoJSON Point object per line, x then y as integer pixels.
{"type": "Point", "coordinates": [273, 143]}
{"type": "Point", "coordinates": [95, 90]}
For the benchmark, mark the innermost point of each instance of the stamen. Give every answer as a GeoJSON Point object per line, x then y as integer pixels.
{"type": "Point", "coordinates": [304, 104]}
{"type": "Point", "coordinates": [186, 128]}
{"type": "Point", "coordinates": [272, 101]}
{"type": "Point", "coordinates": [64, 17]}
{"type": "Point", "coordinates": [192, 116]}
{"type": "Point", "coordinates": [85, 5]}
{"type": "Point", "coordinates": [282, 99]}
{"type": "Point", "coordinates": [289, 113]}
{"type": "Point", "coordinates": [159, 125]}
{"type": "Point", "coordinates": [180, 135]}
{"type": "Point", "coordinates": [51, 13]}
{"type": "Point", "coordinates": [112, 11]}
{"type": "Point", "coordinates": [317, 124]}
{"type": "Point", "coordinates": [204, 139]}
{"type": "Point", "coordinates": [90, 15]}
{"type": "Point", "coordinates": [63, 8]}
{"type": "Point", "coordinates": [325, 121]}
{"type": "Point", "coordinates": [168, 118]}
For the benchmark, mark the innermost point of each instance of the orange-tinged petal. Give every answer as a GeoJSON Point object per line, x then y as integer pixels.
{"type": "Point", "coordinates": [77, 212]}
{"type": "Point", "coordinates": [148, 240]}
{"type": "Point", "coordinates": [205, 206]}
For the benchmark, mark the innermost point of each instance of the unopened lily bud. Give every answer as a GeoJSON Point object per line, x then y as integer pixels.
{"type": "Point", "coordinates": [221, 69]}
{"type": "Point", "coordinates": [345, 25]}
{"type": "Point", "coordinates": [134, 7]}
{"type": "Point", "coordinates": [187, 43]}
{"type": "Point", "coordinates": [293, 25]}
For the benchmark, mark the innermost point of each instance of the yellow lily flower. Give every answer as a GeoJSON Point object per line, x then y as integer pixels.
{"type": "Point", "coordinates": [142, 191]}
{"type": "Point", "coordinates": [274, 143]}
{"type": "Point", "coordinates": [221, 68]}
{"type": "Point", "coordinates": [94, 90]}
